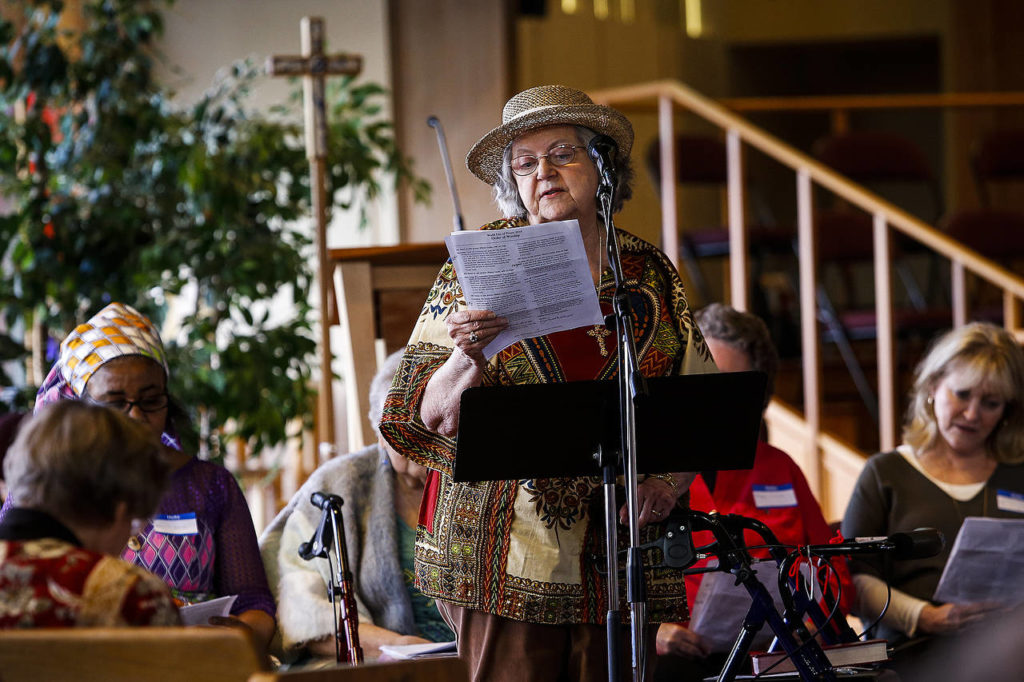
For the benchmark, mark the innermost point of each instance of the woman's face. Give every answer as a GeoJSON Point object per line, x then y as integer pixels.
{"type": "Point", "coordinates": [966, 414]}
{"type": "Point", "coordinates": [556, 192]}
{"type": "Point", "coordinates": [132, 382]}
{"type": "Point", "coordinates": [403, 466]}
{"type": "Point", "coordinates": [727, 357]}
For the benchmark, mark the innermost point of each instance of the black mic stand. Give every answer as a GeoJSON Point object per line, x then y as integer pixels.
{"type": "Point", "coordinates": [808, 658]}
{"type": "Point", "coordinates": [340, 590]}
{"type": "Point", "coordinates": [631, 387]}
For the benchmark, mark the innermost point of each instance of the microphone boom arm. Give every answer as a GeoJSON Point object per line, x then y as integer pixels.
{"type": "Point", "coordinates": [442, 142]}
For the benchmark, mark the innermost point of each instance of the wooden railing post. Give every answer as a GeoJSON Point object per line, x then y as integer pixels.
{"type": "Point", "coordinates": [738, 269]}
{"type": "Point", "coordinates": [1011, 311]}
{"type": "Point", "coordinates": [809, 320]}
{"type": "Point", "coordinates": [667, 143]}
{"type": "Point", "coordinates": [958, 293]}
{"type": "Point", "coordinates": [885, 333]}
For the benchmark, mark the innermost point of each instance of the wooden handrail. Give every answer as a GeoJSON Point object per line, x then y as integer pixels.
{"type": "Point", "coordinates": [924, 100]}
{"type": "Point", "coordinates": [665, 95]}
{"type": "Point", "coordinates": [942, 100]}
{"type": "Point", "coordinates": [716, 113]}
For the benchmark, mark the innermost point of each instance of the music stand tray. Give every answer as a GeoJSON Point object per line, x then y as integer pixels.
{"type": "Point", "coordinates": [695, 422]}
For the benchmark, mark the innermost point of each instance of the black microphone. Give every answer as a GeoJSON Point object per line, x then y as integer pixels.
{"type": "Point", "coordinates": [920, 543]}
{"type": "Point", "coordinates": [325, 500]}
{"type": "Point", "coordinates": [602, 150]}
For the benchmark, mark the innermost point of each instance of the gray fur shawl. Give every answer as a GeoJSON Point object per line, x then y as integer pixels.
{"type": "Point", "coordinates": [365, 481]}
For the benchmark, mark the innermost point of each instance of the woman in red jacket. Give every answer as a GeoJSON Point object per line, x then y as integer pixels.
{"type": "Point", "coordinates": [774, 492]}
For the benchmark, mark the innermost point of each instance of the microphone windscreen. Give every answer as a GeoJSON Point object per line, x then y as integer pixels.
{"type": "Point", "coordinates": [919, 543]}
{"type": "Point", "coordinates": [602, 147]}
{"type": "Point", "coordinates": [324, 500]}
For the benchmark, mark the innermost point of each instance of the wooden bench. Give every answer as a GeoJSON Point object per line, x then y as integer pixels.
{"type": "Point", "coordinates": [195, 654]}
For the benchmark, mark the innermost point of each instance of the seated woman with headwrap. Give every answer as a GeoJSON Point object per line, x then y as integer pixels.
{"type": "Point", "coordinates": [201, 541]}
{"type": "Point", "coordinates": [82, 475]}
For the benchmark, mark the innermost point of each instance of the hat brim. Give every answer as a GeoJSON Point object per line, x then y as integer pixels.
{"type": "Point", "coordinates": [484, 158]}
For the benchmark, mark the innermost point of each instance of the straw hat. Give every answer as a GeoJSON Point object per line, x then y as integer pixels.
{"type": "Point", "coordinates": [546, 105]}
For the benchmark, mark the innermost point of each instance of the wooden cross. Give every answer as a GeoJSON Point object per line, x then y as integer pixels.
{"type": "Point", "coordinates": [314, 66]}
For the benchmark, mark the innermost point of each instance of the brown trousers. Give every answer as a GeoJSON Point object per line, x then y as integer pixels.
{"type": "Point", "coordinates": [497, 649]}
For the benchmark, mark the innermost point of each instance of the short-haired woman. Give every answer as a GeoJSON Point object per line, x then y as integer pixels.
{"type": "Point", "coordinates": [740, 342]}
{"type": "Point", "coordinates": [83, 475]}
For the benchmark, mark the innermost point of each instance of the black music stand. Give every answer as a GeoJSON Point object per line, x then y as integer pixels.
{"type": "Point", "coordinates": [697, 422]}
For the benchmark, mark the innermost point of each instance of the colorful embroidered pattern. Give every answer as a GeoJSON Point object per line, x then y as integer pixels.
{"type": "Point", "coordinates": [51, 583]}
{"type": "Point", "coordinates": [560, 501]}
{"type": "Point", "coordinates": [544, 564]}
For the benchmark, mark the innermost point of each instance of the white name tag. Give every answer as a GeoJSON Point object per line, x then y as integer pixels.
{"type": "Point", "coordinates": [176, 524]}
{"type": "Point", "coordinates": [774, 496]}
{"type": "Point", "coordinates": [1007, 500]}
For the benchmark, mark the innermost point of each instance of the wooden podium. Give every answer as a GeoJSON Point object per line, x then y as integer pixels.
{"type": "Point", "coordinates": [381, 290]}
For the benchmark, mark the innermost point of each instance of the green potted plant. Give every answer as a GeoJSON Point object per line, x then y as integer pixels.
{"type": "Point", "coordinates": [114, 193]}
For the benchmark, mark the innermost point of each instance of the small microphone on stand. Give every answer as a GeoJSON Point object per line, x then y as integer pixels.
{"type": "Point", "coordinates": [325, 500]}
{"type": "Point", "coordinates": [602, 150]}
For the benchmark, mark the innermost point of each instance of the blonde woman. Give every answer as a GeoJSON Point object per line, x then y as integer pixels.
{"type": "Point", "coordinates": [962, 447]}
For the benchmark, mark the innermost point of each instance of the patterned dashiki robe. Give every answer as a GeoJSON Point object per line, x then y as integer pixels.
{"type": "Point", "coordinates": [530, 550]}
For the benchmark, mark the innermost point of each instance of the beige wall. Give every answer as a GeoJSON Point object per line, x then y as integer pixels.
{"type": "Point", "coordinates": [451, 60]}
{"type": "Point", "coordinates": [203, 36]}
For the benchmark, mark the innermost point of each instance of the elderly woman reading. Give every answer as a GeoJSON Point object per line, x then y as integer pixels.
{"type": "Point", "coordinates": [82, 475]}
{"type": "Point", "coordinates": [513, 564]}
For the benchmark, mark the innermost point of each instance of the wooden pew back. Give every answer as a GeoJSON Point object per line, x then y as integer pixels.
{"type": "Point", "coordinates": [195, 654]}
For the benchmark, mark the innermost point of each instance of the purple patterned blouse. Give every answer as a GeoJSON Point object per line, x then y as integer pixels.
{"type": "Point", "coordinates": [213, 553]}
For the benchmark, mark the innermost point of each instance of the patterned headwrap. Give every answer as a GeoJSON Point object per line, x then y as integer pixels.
{"type": "Point", "coordinates": [115, 331]}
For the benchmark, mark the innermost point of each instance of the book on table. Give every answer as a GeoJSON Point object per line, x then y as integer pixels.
{"type": "Point", "coordinates": [839, 655]}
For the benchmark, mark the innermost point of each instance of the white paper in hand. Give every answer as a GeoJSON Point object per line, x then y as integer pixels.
{"type": "Point", "coordinates": [985, 564]}
{"type": "Point", "coordinates": [200, 613]}
{"type": "Point", "coordinates": [537, 276]}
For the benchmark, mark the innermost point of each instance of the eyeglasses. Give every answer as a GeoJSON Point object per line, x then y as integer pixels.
{"type": "Point", "coordinates": [561, 155]}
{"type": "Point", "coordinates": [153, 403]}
